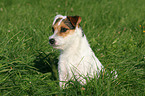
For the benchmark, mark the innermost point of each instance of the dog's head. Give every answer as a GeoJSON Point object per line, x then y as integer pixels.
{"type": "Point", "coordinates": [64, 30]}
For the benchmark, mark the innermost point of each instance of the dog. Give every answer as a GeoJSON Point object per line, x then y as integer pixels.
{"type": "Point", "coordinates": [76, 60]}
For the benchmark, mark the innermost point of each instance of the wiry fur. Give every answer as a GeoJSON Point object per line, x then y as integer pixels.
{"type": "Point", "coordinates": [76, 58]}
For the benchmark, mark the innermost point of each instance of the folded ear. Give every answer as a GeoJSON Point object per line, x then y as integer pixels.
{"type": "Point", "coordinates": [75, 20]}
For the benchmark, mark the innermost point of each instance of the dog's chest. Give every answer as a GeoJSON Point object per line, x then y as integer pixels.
{"type": "Point", "coordinates": [72, 59]}
{"type": "Point", "coordinates": [75, 62]}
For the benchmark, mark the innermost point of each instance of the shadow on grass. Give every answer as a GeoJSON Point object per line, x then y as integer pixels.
{"type": "Point", "coordinates": [47, 63]}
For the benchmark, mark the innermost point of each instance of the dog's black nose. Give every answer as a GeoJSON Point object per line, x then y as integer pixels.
{"type": "Point", "coordinates": [52, 41]}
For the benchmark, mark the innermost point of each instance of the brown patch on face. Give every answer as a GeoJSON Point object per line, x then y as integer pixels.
{"type": "Point", "coordinates": [63, 29]}
{"type": "Point", "coordinates": [69, 24]}
{"type": "Point", "coordinates": [68, 32]}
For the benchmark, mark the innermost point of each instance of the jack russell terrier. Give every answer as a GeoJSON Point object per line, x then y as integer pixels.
{"type": "Point", "coordinates": [77, 60]}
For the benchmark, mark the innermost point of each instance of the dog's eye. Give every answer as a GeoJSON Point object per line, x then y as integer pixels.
{"type": "Point", "coordinates": [52, 29]}
{"type": "Point", "coordinates": [63, 29]}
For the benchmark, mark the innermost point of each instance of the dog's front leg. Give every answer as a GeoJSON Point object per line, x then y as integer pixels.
{"type": "Point", "coordinates": [62, 76]}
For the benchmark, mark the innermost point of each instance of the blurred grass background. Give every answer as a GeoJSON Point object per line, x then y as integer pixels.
{"type": "Point", "coordinates": [114, 29]}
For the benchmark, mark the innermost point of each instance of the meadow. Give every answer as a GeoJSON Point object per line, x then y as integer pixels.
{"type": "Point", "coordinates": [115, 30]}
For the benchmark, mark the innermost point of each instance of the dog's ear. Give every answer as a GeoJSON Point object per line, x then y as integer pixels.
{"type": "Point", "coordinates": [75, 20]}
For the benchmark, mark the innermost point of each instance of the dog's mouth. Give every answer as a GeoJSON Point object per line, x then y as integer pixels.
{"type": "Point", "coordinates": [56, 46]}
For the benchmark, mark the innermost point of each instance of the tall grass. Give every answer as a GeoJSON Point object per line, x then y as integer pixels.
{"type": "Point", "coordinates": [28, 65]}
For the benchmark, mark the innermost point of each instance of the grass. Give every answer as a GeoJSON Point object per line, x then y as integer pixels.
{"type": "Point", "coordinates": [114, 30]}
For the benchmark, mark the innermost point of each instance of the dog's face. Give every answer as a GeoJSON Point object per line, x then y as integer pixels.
{"type": "Point", "coordinates": [64, 31]}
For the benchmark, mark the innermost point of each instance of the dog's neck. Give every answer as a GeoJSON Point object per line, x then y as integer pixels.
{"type": "Point", "coordinates": [78, 45]}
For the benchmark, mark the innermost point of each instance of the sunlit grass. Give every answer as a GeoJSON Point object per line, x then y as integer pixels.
{"type": "Point", "coordinates": [114, 29]}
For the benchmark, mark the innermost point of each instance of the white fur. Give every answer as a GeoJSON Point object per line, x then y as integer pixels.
{"type": "Point", "coordinates": [58, 16]}
{"type": "Point", "coordinates": [76, 58]}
